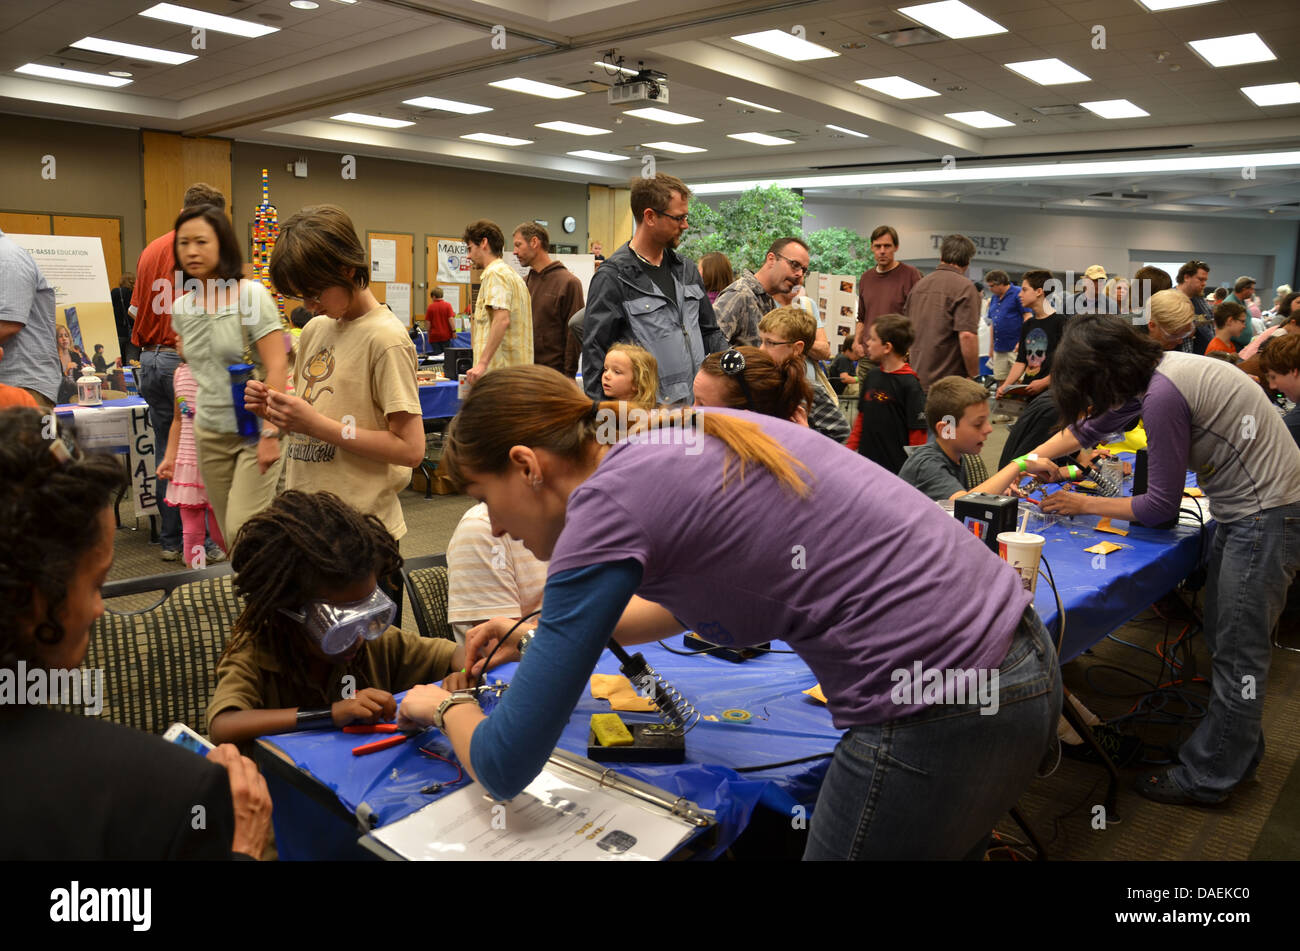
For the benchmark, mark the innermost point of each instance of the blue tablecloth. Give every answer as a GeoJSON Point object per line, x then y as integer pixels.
{"type": "Point", "coordinates": [440, 400]}
{"type": "Point", "coordinates": [769, 687]}
{"type": "Point", "coordinates": [421, 340]}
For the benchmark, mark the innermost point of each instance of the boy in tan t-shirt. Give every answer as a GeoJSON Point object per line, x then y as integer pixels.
{"type": "Point", "coordinates": [354, 427]}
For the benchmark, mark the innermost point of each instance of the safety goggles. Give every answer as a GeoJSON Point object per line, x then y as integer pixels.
{"type": "Point", "coordinates": [336, 627]}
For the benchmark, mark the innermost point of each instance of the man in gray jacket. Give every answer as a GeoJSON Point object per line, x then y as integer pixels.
{"type": "Point", "coordinates": [644, 293]}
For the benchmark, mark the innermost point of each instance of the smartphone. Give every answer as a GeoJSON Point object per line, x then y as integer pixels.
{"type": "Point", "coordinates": [182, 735]}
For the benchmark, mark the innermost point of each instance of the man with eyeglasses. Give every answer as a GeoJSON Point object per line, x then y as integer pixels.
{"type": "Point", "coordinates": [646, 294]}
{"type": "Point", "coordinates": [744, 301]}
{"type": "Point", "coordinates": [1192, 278]}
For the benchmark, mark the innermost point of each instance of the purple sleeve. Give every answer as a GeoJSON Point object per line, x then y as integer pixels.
{"type": "Point", "coordinates": [1168, 421]}
{"type": "Point", "coordinates": [1095, 429]}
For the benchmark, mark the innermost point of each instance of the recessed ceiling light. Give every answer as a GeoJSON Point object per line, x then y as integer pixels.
{"type": "Point", "coordinates": [1048, 72]}
{"type": "Point", "coordinates": [783, 44]}
{"type": "Point", "coordinates": [898, 87]}
{"type": "Point", "coordinates": [1232, 50]}
{"type": "Point", "coordinates": [345, 1]}
{"type": "Point", "coordinates": [840, 128]}
{"type": "Point", "coordinates": [534, 88]}
{"type": "Point", "coordinates": [147, 53]}
{"type": "Point", "coordinates": [760, 138]}
{"type": "Point", "coordinates": [599, 156]}
{"type": "Point", "coordinates": [1276, 94]}
{"type": "Point", "coordinates": [953, 19]}
{"type": "Point", "coordinates": [622, 69]}
{"type": "Point", "coordinates": [69, 75]}
{"type": "Point", "coordinates": [673, 147]}
{"type": "Point", "coordinates": [446, 105]}
{"type": "Point", "coordinates": [304, 4]}
{"type": "Point", "coordinates": [172, 13]}
{"type": "Point", "coordinates": [979, 119]}
{"type": "Point", "coordinates": [752, 105]}
{"type": "Point", "coordinates": [1115, 109]}
{"type": "Point", "coordinates": [360, 118]}
{"type": "Point", "coordinates": [661, 115]}
{"type": "Point", "coordinates": [1155, 6]}
{"type": "Point", "coordinates": [573, 128]}
{"type": "Point", "coordinates": [120, 72]}
{"type": "Point", "coordinates": [496, 139]}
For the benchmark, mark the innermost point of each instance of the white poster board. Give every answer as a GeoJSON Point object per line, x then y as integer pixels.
{"type": "Point", "coordinates": [74, 267]}
{"type": "Point", "coordinates": [398, 299]}
{"type": "Point", "coordinates": [453, 262]}
{"type": "Point", "coordinates": [140, 442]}
{"type": "Point", "coordinates": [836, 296]}
{"type": "Point", "coordinates": [451, 293]}
{"type": "Point", "coordinates": [383, 260]}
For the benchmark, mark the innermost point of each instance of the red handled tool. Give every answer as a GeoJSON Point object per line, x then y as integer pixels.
{"type": "Point", "coordinates": [371, 728]}
{"type": "Point", "coordinates": [387, 743]}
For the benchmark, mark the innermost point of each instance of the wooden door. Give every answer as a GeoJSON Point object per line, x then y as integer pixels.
{"type": "Point", "coordinates": [18, 222]}
{"type": "Point", "coordinates": [405, 267]}
{"type": "Point", "coordinates": [172, 163]}
{"type": "Point", "coordinates": [107, 230]}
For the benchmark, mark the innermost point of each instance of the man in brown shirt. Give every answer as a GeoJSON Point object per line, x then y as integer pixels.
{"type": "Point", "coordinates": [944, 308]}
{"type": "Point", "coordinates": [556, 294]}
{"type": "Point", "coordinates": [883, 289]}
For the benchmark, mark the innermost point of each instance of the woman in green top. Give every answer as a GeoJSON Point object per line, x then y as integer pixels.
{"type": "Point", "coordinates": [219, 319]}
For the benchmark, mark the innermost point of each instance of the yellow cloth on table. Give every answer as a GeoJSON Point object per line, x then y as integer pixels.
{"type": "Point", "coordinates": [1103, 548]}
{"type": "Point", "coordinates": [1134, 439]}
{"type": "Point", "coordinates": [618, 690]}
{"type": "Point", "coordinates": [815, 691]}
{"type": "Point", "coordinates": [1105, 526]}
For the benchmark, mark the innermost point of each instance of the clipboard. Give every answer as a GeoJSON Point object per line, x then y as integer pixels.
{"type": "Point", "coordinates": [575, 810]}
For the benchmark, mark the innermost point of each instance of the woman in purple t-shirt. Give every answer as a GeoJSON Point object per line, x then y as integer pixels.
{"type": "Point", "coordinates": [720, 522]}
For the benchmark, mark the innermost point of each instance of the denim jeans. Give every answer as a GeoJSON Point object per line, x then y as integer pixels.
{"type": "Point", "coordinates": [1252, 563]}
{"type": "Point", "coordinates": [157, 367]}
{"type": "Point", "coordinates": [933, 785]}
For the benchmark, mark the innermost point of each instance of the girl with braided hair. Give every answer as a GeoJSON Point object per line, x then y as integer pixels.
{"type": "Point", "coordinates": [314, 646]}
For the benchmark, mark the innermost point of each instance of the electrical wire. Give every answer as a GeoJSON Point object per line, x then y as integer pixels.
{"type": "Point", "coordinates": [710, 650]}
{"type": "Point", "coordinates": [482, 678]}
{"type": "Point", "coordinates": [789, 762]}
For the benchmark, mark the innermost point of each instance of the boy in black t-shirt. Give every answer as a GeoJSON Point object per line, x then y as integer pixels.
{"type": "Point", "coordinates": [891, 409]}
{"type": "Point", "coordinates": [841, 367]}
{"type": "Point", "coordinates": [1038, 339]}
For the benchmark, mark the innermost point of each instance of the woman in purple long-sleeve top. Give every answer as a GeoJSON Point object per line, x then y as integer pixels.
{"type": "Point", "coordinates": [1207, 416]}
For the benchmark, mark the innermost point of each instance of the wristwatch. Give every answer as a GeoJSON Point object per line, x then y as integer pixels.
{"type": "Point", "coordinates": [460, 696]}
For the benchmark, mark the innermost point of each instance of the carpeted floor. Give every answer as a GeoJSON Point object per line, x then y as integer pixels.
{"type": "Point", "coordinates": [1262, 820]}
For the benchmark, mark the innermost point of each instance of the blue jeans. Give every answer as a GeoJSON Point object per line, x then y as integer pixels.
{"type": "Point", "coordinates": [157, 367]}
{"type": "Point", "coordinates": [933, 785]}
{"type": "Point", "coordinates": [1252, 563]}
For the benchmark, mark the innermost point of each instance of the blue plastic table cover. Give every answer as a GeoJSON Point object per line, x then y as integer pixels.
{"type": "Point", "coordinates": [440, 400]}
{"type": "Point", "coordinates": [787, 725]}
{"type": "Point", "coordinates": [1100, 595]}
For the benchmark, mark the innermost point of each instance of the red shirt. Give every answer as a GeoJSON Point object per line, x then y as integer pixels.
{"type": "Point", "coordinates": [1216, 345]}
{"type": "Point", "coordinates": [11, 396]}
{"type": "Point", "coordinates": [154, 293]}
{"type": "Point", "coordinates": [440, 315]}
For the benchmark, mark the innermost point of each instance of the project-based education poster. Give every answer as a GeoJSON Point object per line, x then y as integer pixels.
{"type": "Point", "coordinates": [74, 267]}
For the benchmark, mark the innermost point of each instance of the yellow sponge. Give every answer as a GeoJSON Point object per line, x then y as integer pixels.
{"type": "Point", "coordinates": [610, 730]}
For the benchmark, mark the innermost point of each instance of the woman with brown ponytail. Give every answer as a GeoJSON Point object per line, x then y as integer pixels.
{"type": "Point", "coordinates": [862, 601]}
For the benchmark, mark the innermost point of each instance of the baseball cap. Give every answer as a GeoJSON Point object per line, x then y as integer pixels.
{"type": "Point", "coordinates": [1095, 273]}
{"type": "Point", "coordinates": [1243, 282]}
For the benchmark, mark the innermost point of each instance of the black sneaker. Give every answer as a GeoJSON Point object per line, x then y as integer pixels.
{"type": "Point", "coordinates": [1121, 749]}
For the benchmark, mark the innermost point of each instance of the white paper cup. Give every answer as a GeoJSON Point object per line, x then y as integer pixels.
{"type": "Point", "coordinates": [1022, 551]}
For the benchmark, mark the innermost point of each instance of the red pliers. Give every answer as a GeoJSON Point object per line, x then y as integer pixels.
{"type": "Point", "coordinates": [377, 745]}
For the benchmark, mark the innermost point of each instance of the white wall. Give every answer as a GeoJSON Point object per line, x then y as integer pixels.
{"type": "Point", "coordinates": [1017, 239]}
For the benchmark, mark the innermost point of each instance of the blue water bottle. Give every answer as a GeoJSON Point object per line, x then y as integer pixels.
{"type": "Point", "coordinates": [246, 424]}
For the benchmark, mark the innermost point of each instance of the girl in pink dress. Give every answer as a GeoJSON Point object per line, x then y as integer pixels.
{"type": "Point", "coordinates": [181, 467]}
